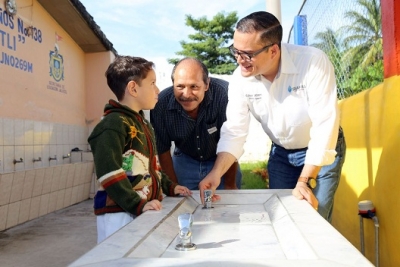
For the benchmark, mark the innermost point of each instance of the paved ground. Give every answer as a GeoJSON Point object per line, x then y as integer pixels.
{"type": "Point", "coordinates": [56, 239]}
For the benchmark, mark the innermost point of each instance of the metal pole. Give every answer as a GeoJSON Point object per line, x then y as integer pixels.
{"type": "Point", "coordinates": [274, 7]}
{"type": "Point", "coordinates": [362, 235]}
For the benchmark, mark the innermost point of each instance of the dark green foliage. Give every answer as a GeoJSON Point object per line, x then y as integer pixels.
{"type": "Point", "coordinates": [210, 42]}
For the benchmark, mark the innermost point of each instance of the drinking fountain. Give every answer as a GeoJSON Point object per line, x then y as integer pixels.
{"type": "Point", "coordinates": [185, 221]}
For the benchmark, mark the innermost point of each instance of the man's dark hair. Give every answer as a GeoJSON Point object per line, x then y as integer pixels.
{"type": "Point", "coordinates": [201, 64]}
{"type": "Point", "coordinates": [262, 21]}
{"type": "Point", "coordinates": [125, 69]}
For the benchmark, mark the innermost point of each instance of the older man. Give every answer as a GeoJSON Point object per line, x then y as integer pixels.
{"type": "Point", "coordinates": [190, 113]}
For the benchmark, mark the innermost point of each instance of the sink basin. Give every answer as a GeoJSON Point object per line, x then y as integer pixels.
{"type": "Point", "coordinates": [245, 228]}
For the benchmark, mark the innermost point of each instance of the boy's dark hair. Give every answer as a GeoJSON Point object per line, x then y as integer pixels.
{"type": "Point", "coordinates": [201, 64]}
{"type": "Point", "coordinates": [125, 69]}
{"type": "Point", "coordinates": [264, 22]}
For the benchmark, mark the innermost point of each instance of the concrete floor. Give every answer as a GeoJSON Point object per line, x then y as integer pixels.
{"type": "Point", "coordinates": [56, 239]}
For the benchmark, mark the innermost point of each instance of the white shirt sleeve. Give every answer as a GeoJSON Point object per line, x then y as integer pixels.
{"type": "Point", "coordinates": [235, 129]}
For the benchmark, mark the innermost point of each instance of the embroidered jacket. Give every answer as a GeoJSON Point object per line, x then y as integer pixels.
{"type": "Point", "coordinates": [126, 162]}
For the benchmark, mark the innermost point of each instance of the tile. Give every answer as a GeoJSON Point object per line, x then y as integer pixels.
{"type": "Point", "coordinates": [19, 154]}
{"type": "Point", "coordinates": [48, 179]}
{"type": "Point", "coordinates": [38, 156]}
{"type": "Point", "coordinates": [8, 132]}
{"type": "Point", "coordinates": [71, 174]}
{"type": "Point", "coordinates": [28, 157]}
{"type": "Point", "coordinates": [67, 197]}
{"type": "Point", "coordinates": [74, 195]}
{"type": "Point", "coordinates": [44, 204]}
{"type": "Point", "coordinates": [87, 156]}
{"type": "Point", "coordinates": [37, 133]}
{"type": "Point", "coordinates": [28, 132]}
{"type": "Point", "coordinates": [1, 133]}
{"type": "Point", "coordinates": [45, 133]}
{"type": "Point", "coordinates": [71, 135]}
{"type": "Point", "coordinates": [52, 202]}
{"type": "Point", "coordinates": [45, 156]}
{"type": "Point", "coordinates": [38, 183]}
{"type": "Point", "coordinates": [55, 183]}
{"type": "Point", "coordinates": [78, 178]}
{"type": "Point", "coordinates": [53, 157]}
{"type": "Point", "coordinates": [24, 211]}
{"type": "Point", "coordinates": [34, 209]}
{"type": "Point", "coordinates": [53, 134]}
{"type": "Point", "coordinates": [64, 140]}
{"type": "Point", "coordinates": [13, 213]}
{"type": "Point", "coordinates": [17, 186]}
{"type": "Point", "coordinates": [3, 217]}
{"type": "Point", "coordinates": [5, 188]}
{"type": "Point", "coordinates": [1, 159]}
{"type": "Point", "coordinates": [19, 132]}
{"type": "Point", "coordinates": [9, 156]}
{"type": "Point", "coordinates": [60, 199]}
{"type": "Point", "coordinates": [58, 132]}
{"type": "Point", "coordinates": [28, 184]}
{"type": "Point", "coordinates": [64, 177]}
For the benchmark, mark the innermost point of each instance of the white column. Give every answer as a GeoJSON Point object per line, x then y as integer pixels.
{"type": "Point", "coordinates": [274, 7]}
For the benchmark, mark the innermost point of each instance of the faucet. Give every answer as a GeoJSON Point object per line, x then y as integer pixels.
{"type": "Point", "coordinates": [55, 158]}
{"type": "Point", "coordinates": [38, 159]}
{"type": "Point", "coordinates": [18, 161]}
{"type": "Point", "coordinates": [207, 199]}
{"type": "Point", "coordinates": [185, 221]}
{"type": "Point", "coordinates": [67, 156]}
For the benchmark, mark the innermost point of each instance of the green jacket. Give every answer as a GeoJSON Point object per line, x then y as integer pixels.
{"type": "Point", "coordinates": [126, 162]}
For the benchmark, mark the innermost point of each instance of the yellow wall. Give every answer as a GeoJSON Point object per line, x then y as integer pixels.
{"type": "Point", "coordinates": [371, 122]}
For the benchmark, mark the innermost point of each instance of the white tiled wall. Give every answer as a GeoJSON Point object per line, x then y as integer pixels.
{"type": "Point", "coordinates": [36, 140]}
{"type": "Point", "coordinates": [35, 185]}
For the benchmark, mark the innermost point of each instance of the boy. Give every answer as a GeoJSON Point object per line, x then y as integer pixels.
{"type": "Point", "coordinates": [124, 150]}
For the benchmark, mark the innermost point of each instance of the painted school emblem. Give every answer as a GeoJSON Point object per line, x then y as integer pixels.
{"type": "Point", "coordinates": [56, 64]}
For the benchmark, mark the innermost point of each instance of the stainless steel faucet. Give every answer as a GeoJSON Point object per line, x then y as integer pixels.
{"type": "Point", "coordinates": [207, 199]}
{"type": "Point", "coordinates": [185, 221]}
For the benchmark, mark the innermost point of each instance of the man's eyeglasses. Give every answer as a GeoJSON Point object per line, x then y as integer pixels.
{"type": "Point", "coordinates": [247, 56]}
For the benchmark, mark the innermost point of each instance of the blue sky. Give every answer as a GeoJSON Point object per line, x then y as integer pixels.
{"type": "Point", "coordinates": [150, 29]}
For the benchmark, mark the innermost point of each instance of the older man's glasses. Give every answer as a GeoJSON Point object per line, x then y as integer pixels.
{"type": "Point", "coordinates": [245, 55]}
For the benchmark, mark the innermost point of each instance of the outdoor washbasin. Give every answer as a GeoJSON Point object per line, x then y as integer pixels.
{"type": "Point", "coordinates": [246, 228]}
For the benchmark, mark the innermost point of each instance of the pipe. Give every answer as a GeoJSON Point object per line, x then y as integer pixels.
{"type": "Point", "coordinates": [367, 210]}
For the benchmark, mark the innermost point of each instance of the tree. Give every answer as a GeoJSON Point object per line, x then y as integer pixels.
{"type": "Point", "coordinates": [210, 42]}
{"type": "Point", "coordinates": [364, 34]}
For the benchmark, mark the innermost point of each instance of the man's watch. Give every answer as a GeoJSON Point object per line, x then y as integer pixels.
{"type": "Point", "coordinates": [310, 181]}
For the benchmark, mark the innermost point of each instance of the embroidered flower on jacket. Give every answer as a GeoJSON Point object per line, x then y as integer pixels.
{"type": "Point", "coordinates": [133, 130]}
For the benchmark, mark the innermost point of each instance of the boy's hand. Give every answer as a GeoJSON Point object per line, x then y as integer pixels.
{"type": "Point", "coordinates": [152, 205]}
{"type": "Point", "coordinates": [182, 190]}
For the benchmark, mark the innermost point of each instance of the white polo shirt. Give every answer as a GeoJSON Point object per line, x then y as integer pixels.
{"type": "Point", "coordinates": [297, 110]}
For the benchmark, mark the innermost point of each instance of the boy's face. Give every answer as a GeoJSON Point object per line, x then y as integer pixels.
{"type": "Point", "coordinates": [148, 91]}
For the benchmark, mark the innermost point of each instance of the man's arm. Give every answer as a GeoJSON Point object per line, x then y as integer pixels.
{"type": "Point", "coordinates": [213, 179]}
{"type": "Point", "coordinates": [167, 165]}
{"type": "Point", "coordinates": [230, 176]}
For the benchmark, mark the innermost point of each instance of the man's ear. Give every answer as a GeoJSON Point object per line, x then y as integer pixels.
{"type": "Point", "coordinates": [208, 84]}
{"type": "Point", "coordinates": [131, 88]}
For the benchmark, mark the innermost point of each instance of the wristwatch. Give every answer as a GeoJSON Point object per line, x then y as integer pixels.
{"type": "Point", "coordinates": [310, 181]}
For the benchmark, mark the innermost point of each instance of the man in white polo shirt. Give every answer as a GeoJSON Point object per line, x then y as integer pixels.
{"type": "Point", "coordinates": [291, 91]}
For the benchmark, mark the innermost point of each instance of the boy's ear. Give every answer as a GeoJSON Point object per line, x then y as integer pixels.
{"type": "Point", "coordinates": [131, 88]}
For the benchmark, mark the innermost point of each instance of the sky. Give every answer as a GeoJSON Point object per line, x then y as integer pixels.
{"type": "Point", "coordinates": [153, 29]}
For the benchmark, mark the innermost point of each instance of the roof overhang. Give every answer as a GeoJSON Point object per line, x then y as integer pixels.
{"type": "Point", "coordinates": [79, 24]}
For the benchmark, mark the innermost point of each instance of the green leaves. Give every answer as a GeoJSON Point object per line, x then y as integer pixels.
{"type": "Point", "coordinates": [210, 42]}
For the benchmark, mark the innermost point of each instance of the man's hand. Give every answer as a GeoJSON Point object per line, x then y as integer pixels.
{"type": "Point", "coordinates": [152, 205]}
{"type": "Point", "coordinates": [182, 190]}
{"type": "Point", "coordinates": [302, 191]}
{"type": "Point", "coordinates": [209, 182]}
